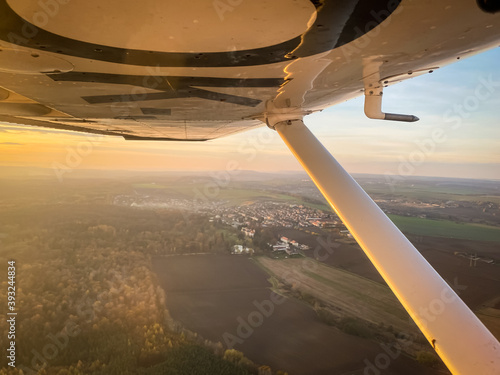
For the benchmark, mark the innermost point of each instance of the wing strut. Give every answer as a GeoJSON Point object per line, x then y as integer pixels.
{"type": "Point", "coordinates": [458, 336]}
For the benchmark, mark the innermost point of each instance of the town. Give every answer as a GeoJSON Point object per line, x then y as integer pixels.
{"type": "Point", "coordinates": [250, 217]}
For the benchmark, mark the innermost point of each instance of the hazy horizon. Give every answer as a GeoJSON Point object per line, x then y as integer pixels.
{"type": "Point", "coordinates": [26, 171]}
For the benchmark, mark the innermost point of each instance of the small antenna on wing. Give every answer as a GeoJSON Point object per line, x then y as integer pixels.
{"type": "Point", "coordinates": [373, 106]}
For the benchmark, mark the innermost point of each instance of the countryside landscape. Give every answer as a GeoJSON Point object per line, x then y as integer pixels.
{"type": "Point", "coordinates": [230, 273]}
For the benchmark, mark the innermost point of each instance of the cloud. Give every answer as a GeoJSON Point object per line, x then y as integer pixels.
{"type": "Point", "coordinates": [12, 128]}
{"type": "Point", "coordinates": [30, 129]}
{"type": "Point", "coordinates": [11, 143]}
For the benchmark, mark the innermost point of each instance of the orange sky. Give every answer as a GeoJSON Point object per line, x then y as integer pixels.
{"type": "Point", "coordinates": [260, 149]}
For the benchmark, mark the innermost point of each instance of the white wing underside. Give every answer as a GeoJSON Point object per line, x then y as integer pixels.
{"type": "Point", "coordinates": [83, 70]}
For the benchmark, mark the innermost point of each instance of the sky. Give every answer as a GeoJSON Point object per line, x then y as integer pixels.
{"type": "Point", "coordinates": [458, 135]}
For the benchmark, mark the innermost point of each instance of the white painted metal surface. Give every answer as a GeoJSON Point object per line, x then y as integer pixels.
{"type": "Point", "coordinates": [458, 336]}
{"type": "Point", "coordinates": [164, 70]}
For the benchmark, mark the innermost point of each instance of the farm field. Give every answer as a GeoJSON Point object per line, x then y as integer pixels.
{"type": "Point", "coordinates": [348, 294]}
{"type": "Point", "coordinates": [446, 228]}
{"type": "Point", "coordinates": [213, 294]}
{"type": "Point", "coordinates": [418, 188]}
{"type": "Point", "coordinates": [236, 194]}
{"type": "Point", "coordinates": [489, 313]}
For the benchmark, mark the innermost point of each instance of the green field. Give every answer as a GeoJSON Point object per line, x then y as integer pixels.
{"type": "Point", "coordinates": [446, 228]}
{"type": "Point", "coordinates": [234, 196]}
{"type": "Point", "coordinates": [433, 193]}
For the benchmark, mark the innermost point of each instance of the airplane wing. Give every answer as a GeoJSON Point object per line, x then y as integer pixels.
{"type": "Point", "coordinates": [198, 70]}
{"type": "Point", "coordinates": [167, 71]}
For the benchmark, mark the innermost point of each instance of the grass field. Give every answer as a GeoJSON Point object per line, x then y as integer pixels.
{"type": "Point", "coordinates": [242, 195]}
{"type": "Point", "coordinates": [445, 228]}
{"type": "Point", "coordinates": [234, 196]}
{"type": "Point", "coordinates": [348, 294]}
{"type": "Point", "coordinates": [490, 316]}
{"type": "Point", "coordinates": [434, 193]}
